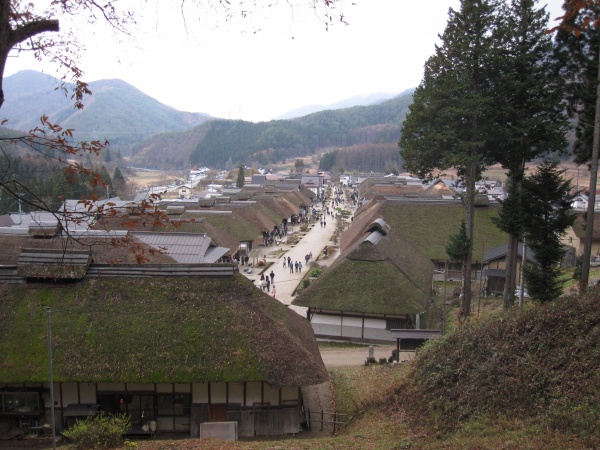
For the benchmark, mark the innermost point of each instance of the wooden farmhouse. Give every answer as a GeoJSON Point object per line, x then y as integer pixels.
{"type": "Point", "coordinates": [176, 343]}
{"type": "Point", "coordinates": [494, 261]}
{"type": "Point", "coordinates": [379, 283]}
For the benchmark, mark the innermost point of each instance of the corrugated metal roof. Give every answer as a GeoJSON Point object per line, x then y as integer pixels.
{"type": "Point", "coordinates": [185, 248]}
{"type": "Point", "coordinates": [500, 253]}
{"type": "Point", "coordinates": [373, 237]}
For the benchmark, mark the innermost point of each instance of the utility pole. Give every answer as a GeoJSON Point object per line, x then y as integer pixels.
{"type": "Point", "coordinates": [49, 327]}
{"type": "Point", "coordinates": [589, 225]}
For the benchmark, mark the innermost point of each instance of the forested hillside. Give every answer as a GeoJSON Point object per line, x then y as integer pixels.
{"type": "Point", "coordinates": [225, 143]}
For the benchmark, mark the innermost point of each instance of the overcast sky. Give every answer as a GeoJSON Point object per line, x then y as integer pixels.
{"type": "Point", "coordinates": [228, 70]}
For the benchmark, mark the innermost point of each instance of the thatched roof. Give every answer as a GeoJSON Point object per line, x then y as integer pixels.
{"type": "Point", "coordinates": [428, 226]}
{"type": "Point", "coordinates": [297, 198]}
{"type": "Point", "coordinates": [159, 330]}
{"type": "Point", "coordinates": [53, 263]}
{"type": "Point", "coordinates": [579, 226]}
{"type": "Point", "coordinates": [103, 250]}
{"type": "Point", "coordinates": [362, 219]}
{"type": "Point", "coordinates": [381, 273]}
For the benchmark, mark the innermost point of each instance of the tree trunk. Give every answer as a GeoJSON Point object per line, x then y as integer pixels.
{"type": "Point", "coordinates": [465, 304]}
{"type": "Point", "coordinates": [511, 271]}
{"type": "Point", "coordinates": [589, 224]}
{"type": "Point", "coordinates": [10, 37]}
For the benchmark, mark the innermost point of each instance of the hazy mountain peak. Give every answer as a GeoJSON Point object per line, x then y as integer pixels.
{"type": "Point", "coordinates": [357, 100]}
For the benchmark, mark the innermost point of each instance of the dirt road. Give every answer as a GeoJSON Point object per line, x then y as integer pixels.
{"type": "Point", "coordinates": [343, 357]}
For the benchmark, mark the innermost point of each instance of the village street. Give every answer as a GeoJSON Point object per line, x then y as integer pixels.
{"type": "Point", "coordinates": [286, 282]}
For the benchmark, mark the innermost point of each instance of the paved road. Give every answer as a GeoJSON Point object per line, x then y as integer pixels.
{"type": "Point", "coordinates": [314, 241]}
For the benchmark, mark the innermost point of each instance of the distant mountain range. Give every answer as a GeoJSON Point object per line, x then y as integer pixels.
{"type": "Point", "coordinates": [155, 135]}
{"type": "Point", "coordinates": [359, 100]}
{"type": "Point", "coordinates": [115, 111]}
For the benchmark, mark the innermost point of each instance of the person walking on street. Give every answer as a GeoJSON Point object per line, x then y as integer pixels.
{"type": "Point", "coordinates": [284, 259]}
{"type": "Point", "coordinates": [300, 267]}
{"type": "Point", "coordinates": [272, 275]}
{"type": "Point", "coordinates": [291, 266]}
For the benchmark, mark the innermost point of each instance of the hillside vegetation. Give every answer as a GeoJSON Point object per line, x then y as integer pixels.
{"type": "Point", "coordinates": [540, 365]}
{"type": "Point", "coordinates": [225, 143]}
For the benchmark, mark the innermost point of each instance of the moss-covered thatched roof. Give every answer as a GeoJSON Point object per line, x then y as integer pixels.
{"type": "Point", "coordinates": [384, 274]}
{"type": "Point", "coordinates": [158, 330]}
{"type": "Point", "coordinates": [234, 225]}
{"type": "Point", "coordinates": [428, 226]}
{"type": "Point", "coordinates": [297, 198]}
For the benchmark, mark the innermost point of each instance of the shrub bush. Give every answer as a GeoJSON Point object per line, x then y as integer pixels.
{"type": "Point", "coordinates": [315, 273]}
{"type": "Point", "coordinates": [100, 431]}
{"type": "Point", "coordinates": [306, 283]}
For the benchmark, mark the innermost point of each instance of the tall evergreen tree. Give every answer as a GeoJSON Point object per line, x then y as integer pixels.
{"type": "Point", "coordinates": [240, 176]}
{"type": "Point", "coordinates": [548, 197]}
{"type": "Point", "coordinates": [118, 175]}
{"type": "Point", "coordinates": [530, 114]}
{"type": "Point", "coordinates": [449, 120]}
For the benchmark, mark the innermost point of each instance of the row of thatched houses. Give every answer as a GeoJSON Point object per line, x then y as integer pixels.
{"type": "Point", "coordinates": [179, 341]}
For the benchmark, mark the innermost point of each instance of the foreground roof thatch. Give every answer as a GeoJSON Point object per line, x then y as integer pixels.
{"type": "Point", "coordinates": [159, 330]}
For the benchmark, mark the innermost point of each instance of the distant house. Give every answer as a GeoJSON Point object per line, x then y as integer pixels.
{"type": "Point", "coordinates": [389, 288]}
{"type": "Point", "coordinates": [575, 235]}
{"type": "Point", "coordinates": [184, 192]}
{"type": "Point", "coordinates": [259, 179]}
{"type": "Point", "coordinates": [579, 202]}
{"type": "Point", "coordinates": [494, 273]}
{"type": "Point", "coordinates": [315, 183]}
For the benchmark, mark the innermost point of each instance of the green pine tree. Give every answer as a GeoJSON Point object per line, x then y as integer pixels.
{"type": "Point", "coordinates": [240, 176]}
{"type": "Point", "coordinates": [451, 114]}
{"type": "Point", "coordinates": [459, 245]}
{"type": "Point", "coordinates": [577, 58]}
{"type": "Point", "coordinates": [548, 198]}
{"type": "Point", "coordinates": [529, 118]}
